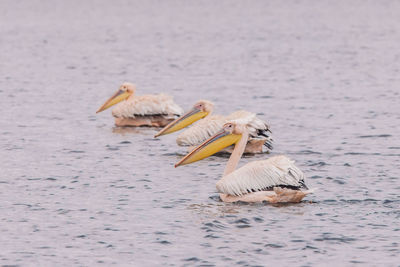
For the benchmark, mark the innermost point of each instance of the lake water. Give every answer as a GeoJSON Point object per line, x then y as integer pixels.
{"type": "Point", "coordinates": [75, 190]}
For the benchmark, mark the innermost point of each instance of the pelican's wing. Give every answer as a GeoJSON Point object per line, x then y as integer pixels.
{"type": "Point", "coordinates": [201, 131]}
{"type": "Point", "coordinates": [262, 175]}
{"type": "Point", "coordinates": [148, 105]}
{"type": "Point", "coordinates": [258, 129]}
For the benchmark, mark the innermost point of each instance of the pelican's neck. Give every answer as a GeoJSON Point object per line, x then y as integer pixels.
{"type": "Point", "coordinates": [130, 97]}
{"type": "Point", "coordinates": [236, 154]}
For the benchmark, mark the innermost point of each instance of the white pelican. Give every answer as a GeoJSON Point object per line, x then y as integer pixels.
{"type": "Point", "coordinates": [146, 110]}
{"type": "Point", "coordinates": [204, 129]}
{"type": "Point", "coordinates": [275, 180]}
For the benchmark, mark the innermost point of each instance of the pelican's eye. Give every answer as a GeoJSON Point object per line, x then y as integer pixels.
{"type": "Point", "coordinates": [229, 127]}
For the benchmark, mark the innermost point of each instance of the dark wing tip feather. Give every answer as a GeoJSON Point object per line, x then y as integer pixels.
{"type": "Point", "coordinates": [269, 141]}
{"type": "Point", "coordinates": [263, 132]}
{"type": "Point", "coordinates": [303, 184]}
{"type": "Point", "coordinates": [268, 145]}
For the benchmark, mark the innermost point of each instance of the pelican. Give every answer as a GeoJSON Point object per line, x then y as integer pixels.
{"type": "Point", "coordinates": [275, 180]}
{"type": "Point", "coordinates": [145, 110]}
{"type": "Point", "coordinates": [210, 124]}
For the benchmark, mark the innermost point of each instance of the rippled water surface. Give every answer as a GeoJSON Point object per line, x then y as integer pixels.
{"type": "Point", "coordinates": [75, 190]}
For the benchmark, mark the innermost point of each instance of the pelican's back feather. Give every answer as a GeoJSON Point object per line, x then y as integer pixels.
{"type": "Point", "coordinates": [253, 124]}
{"type": "Point", "coordinates": [147, 105]}
{"type": "Point", "coordinates": [262, 175]}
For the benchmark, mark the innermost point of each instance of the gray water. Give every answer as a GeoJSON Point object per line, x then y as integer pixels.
{"type": "Point", "coordinates": [75, 190]}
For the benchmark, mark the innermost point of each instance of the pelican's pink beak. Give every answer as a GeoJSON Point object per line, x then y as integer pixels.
{"type": "Point", "coordinates": [185, 120]}
{"type": "Point", "coordinates": [119, 96]}
{"type": "Point", "coordinates": [219, 141]}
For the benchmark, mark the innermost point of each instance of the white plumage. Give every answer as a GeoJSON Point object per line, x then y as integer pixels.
{"type": "Point", "coordinates": [275, 180]}
{"type": "Point", "coordinates": [207, 127]}
{"type": "Point", "coordinates": [261, 175]}
{"type": "Point", "coordinates": [200, 131]}
{"type": "Point", "coordinates": [147, 105]}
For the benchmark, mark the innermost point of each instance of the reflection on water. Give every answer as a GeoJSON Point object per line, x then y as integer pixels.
{"type": "Point", "coordinates": [75, 190]}
{"type": "Point", "coordinates": [214, 210]}
{"type": "Point", "coordinates": [133, 130]}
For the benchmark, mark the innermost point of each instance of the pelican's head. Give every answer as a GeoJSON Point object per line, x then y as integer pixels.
{"type": "Point", "coordinates": [200, 110]}
{"type": "Point", "coordinates": [205, 106]}
{"type": "Point", "coordinates": [230, 134]}
{"type": "Point", "coordinates": [123, 93]}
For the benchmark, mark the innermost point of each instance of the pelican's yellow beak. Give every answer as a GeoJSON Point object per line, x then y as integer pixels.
{"type": "Point", "coordinates": [188, 118]}
{"type": "Point", "coordinates": [211, 146]}
{"type": "Point", "coordinates": [119, 96]}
